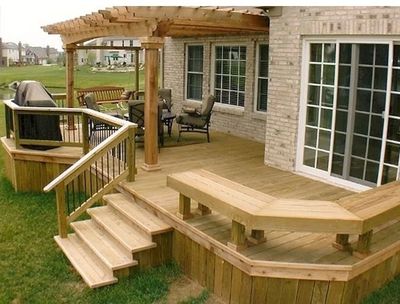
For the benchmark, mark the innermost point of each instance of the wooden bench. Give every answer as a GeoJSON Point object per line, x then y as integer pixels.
{"type": "Point", "coordinates": [103, 94]}
{"type": "Point", "coordinates": [374, 207]}
{"type": "Point", "coordinates": [257, 211]}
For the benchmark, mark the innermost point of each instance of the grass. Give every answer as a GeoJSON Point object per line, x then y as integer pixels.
{"type": "Point", "coordinates": [200, 299]}
{"type": "Point", "coordinates": [53, 77]}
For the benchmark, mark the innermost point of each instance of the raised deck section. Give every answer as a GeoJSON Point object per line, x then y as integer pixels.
{"type": "Point", "coordinates": [297, 266]}
{"type": "Point", "coordinates": [21, 165]}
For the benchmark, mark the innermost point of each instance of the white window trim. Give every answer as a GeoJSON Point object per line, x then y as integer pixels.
{"type": "Point", "coordinates": [256, 77]}
{"type": "Point", "coordinates": [314, 172]}
{"type": "Point", "coordinates": [212, 74]}
{"type": "Point", "coordinates": [186, 69]}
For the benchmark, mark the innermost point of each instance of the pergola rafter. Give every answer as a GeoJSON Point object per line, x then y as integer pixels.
{"type": "Point", "coordinates": [151, 25]}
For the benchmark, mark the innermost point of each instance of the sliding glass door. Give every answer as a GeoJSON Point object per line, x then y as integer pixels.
{"type": "Point", "coordinates": [352, 112]}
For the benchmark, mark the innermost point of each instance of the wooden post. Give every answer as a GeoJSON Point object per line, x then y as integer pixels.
{"type": "Point", "coordinates": [203, 210]}
{"type": "Point", "coordinates": [85, 133]}
{"type": "Point", "coordinates": [16, 129]}
{"type": "Point", "coordinates": [363, 245]}
{"type": "Point", "coordinates": [61, 211]}
{"type": "Point", "coordinates": [238, 236]}
{"type": "Point", "coordinates": [69, 78]}
{"type": "Point", "coordinates": [257, 237]}
{"type": "Point", "coordinates": [137, 88]}
{"type": "Point", "coordinates": [151, 46]}
{"type": "Point", "coordinates": [184, 207]}
{"type": "Point", "coordinates": [342, 242]}
{"type": "Point", "coordinates": [7, 113]}
{"type": "Point", "coordinates": [130, 154]}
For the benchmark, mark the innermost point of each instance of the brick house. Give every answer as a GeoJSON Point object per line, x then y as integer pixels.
{"type": "Point", "coordinates": [332, 79]}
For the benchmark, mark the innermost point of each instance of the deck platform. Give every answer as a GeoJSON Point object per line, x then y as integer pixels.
{"type": "Point", "coordinates": [304, 263]}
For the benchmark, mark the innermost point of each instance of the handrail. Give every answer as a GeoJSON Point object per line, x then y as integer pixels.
{"type": "Point", "coordinates": [42, 110]}
{"type": "Point", "coordinates": [75, 168]}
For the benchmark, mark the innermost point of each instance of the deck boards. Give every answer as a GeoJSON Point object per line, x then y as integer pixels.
{"type": "Point", "coordinates": [242, 161]}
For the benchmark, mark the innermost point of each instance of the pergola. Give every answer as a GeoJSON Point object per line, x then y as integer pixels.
{"type": "Point", "coordinates": [151, 25]}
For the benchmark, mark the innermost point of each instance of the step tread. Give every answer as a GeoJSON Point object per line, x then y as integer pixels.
{"type": "Point", "coordinates": [137, 214]}
{"type": "Point", "coordinates": [107, 249]}
{"type": "Point", "coordinates": [87, 264]}
{"type": "Point", "coordinates": [120, 229]}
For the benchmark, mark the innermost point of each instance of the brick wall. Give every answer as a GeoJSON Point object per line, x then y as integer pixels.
{"type": "Point", "coordinates": [286, 38]}
{"type": "Point", "coordinates": [242, 122]}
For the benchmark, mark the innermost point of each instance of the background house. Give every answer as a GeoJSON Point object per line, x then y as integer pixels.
{"type": "Point", "coordinates": [110, 57]}
{"type": "Point", "coordinates": [41, 55]}
{"type": "Point", "coordinates": [12, 53]}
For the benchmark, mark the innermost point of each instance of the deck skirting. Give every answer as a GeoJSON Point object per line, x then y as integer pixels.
{"type": "Point", "coordinates": [32, 170]}
{"type": "Point", "coordinates": [234, 285]}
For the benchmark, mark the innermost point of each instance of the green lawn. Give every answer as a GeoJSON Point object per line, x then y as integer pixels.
{"type": "Point", "coordinates": [53, 77]}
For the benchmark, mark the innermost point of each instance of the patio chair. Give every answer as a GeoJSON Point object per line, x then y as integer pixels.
{"type": "Point", "coordinates": [165, 96]}
{"type": "Point", "coordinates": [95, 125]}
{"type": "Point", "coordinates": [136, 115]}
{"type": "Point", "coordinates": [196, 120]}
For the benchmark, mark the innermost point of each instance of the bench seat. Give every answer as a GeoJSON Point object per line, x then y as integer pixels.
{"type": "Point", "coordinates": [258, 211]}
{"type": "Point", "coordinates": [103, 94]}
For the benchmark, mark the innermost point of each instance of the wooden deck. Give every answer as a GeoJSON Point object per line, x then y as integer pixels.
{"type": "Point", "coordinates": [242, 161]}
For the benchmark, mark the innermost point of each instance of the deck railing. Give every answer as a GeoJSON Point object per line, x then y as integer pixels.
{"type": "Point", "coordinates": [109, 147]}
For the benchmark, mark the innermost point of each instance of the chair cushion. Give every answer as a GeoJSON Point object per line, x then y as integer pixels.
{"type": "Point", "coordinates": [165, 95]}
{"type": "Point", "coordinates": [191, 120]}
{"type": "Point", "coordinates": [207, 105]}
{"type": "Point", "coordinates": [90, 101]}
{"type": "Point", "coordinates": [126, 95]}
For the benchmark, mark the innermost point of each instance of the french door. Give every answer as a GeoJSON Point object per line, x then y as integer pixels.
{"type": "Point", "coordinates": [352, 112]}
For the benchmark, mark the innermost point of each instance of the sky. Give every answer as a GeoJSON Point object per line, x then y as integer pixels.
{"type": "Point", "coordinates": [22, 20]}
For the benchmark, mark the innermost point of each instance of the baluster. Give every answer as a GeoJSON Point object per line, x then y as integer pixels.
{"type": "Point", "coordinates": [85, 133]}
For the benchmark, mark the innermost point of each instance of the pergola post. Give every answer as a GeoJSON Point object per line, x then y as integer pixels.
{"type": "Point", "coordinates": [137, 70]}
{"type": "Point", "coordinates": [151, 45]}
{"type": "Point", "coordinates": [69, 79]}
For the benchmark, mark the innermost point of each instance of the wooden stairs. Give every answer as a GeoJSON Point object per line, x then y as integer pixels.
{"type": "Point", "coordinates": [119, 237]}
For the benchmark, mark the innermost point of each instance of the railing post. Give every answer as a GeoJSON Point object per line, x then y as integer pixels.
{"type": "Point", "coordinates": [16, 129]}
{"type": "Point", "coordinates": [85, 133]}
{"type": "Point", "coordinates": [7, 112]}
{"type": "Point", "coordinates": [61, 210]}
{"type": "Point", "coordinates": [131, 154]}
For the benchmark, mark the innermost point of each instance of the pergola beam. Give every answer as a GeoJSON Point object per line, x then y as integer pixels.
{"type": "Point", "coordinates": [160, 21]}
{"type": "Point", "coordinates": [107, 47]}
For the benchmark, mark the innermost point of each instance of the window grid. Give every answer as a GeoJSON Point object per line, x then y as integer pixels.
{"type": "Point", "coordinates": [320, 105]}
{"type": "Point", "coordinates": [230, 74]}
{"type": "Point", "coordinates": [262, 77]}
{"type": "Point", "coordinates": [194, 76]}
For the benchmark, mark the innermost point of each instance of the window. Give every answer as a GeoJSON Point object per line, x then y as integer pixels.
{"type": "Point", "coordinates": [262, 77]}
{"type": "Point", "coordinates": [230, 74]}
{"type": "Point", "coordinates": [194, 76]}
{"type": "Point", "coordinates": [352, 94]}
